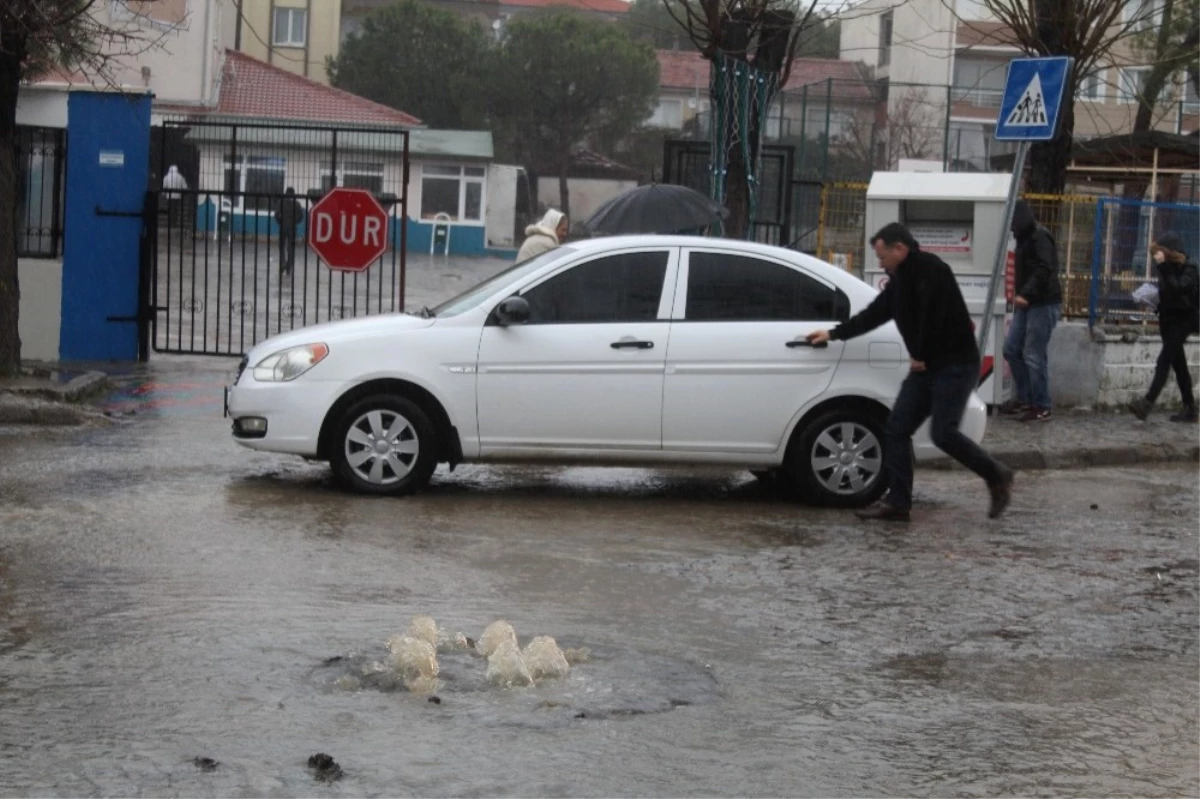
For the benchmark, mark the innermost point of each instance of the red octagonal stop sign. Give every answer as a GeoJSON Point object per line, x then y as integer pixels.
{"type": "Point", "coordinates": [348, 228]}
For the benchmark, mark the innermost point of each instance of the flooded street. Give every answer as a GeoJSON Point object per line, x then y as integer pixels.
{"type": "Point", "coordinates": [166, 595]}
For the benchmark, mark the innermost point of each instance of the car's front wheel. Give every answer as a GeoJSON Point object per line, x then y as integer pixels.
{"type": "Point", "coordinates": [837, 460]}
{"type": "Point", "coordinates": [384, 444]}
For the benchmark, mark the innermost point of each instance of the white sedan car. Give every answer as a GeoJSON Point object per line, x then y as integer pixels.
{"type": "Point", "coordinates": [623, 350]}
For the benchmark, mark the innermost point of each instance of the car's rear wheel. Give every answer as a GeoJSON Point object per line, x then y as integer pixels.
{"type": "Point", "coordinates": [837, 460]}
{"type": "Point", "coordinates": [384, 444]}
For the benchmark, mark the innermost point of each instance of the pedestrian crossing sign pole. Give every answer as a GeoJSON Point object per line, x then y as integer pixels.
{"type": "Point", "coordinates": [1029, 111]}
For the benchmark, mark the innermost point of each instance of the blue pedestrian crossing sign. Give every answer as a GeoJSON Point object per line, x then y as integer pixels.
{"type": "Point", "coordinates": [1033, 97]}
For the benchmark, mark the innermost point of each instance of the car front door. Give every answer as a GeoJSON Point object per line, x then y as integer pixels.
{"type": "Point", "coordinates": [586, 371]}
{"type": "Point", "coordinates": [736, 372]}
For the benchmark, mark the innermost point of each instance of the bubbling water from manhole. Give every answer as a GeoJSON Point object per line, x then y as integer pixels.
{"type": "Point", "coordinates": [610, 684]}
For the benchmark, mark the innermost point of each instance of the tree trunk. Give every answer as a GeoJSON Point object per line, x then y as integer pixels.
{"type": "Point", "coordinates": [564, 193]}
{"type": "Point", "coordinates": [737, 195]}
{"type": "Point", "coordinates": [11, 55]}
{"type": "Point", "coordinates": [1048, 160]}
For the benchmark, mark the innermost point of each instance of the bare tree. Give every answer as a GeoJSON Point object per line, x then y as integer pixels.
{"type": "Point", "coordinates": [914, 128]}
{"type": "Point", "coordinates": [37, 36]}
{"type": "Point", "coordinates": [1169, 50]}
{"type": "Point", "coordinates": [1087, 31]}
{"type": "Point", "coordinates": [766, 35]}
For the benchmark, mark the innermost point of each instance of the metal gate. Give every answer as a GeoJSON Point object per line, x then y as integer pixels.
{"type": "Point", "coordinates": [687, 163]}
{"type": "Point", "coordinates": [216, 278]}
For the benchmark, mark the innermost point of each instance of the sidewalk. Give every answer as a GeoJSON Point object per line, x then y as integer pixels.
{"type": "Point", "coordinates": [1072, 439]}
{"type": "Point", "coordinates": [1077, 439]}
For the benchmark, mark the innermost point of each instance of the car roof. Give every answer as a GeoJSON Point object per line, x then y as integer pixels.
{"type": "Point", "coordinates": [658, 240]}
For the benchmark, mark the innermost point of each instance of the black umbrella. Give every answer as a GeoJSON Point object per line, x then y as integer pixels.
{"type": "Point", "coordinates": [656, 208]}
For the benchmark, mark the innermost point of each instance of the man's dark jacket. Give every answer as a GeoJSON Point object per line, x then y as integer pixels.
{"type": "Point", "coordinates": [923, 298]}
{"type": "Point", "coordinates": [1179, 295]}
{"type": "Point", "coordinates": [289, 214]}
{"type": "Point", "coordinates": [1037, 260]}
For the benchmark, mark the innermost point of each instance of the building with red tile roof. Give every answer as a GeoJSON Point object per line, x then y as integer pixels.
{"type": "Point", "coordinates": [253, 89]}
{"type": "Point", "coordinates": [813, 85]}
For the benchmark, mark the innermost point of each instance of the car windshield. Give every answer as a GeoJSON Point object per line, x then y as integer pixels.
{"type": "Point", "coordinates": [476, 294]}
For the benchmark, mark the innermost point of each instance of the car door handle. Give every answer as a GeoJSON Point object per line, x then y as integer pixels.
{"type": "Point", "coordinates": [800, 342]}
{"type": "Point", "coordinates": [632, 344]}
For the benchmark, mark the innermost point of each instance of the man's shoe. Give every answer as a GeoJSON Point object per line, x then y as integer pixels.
{"type": "Point", "coordinates": [1189, 416]}
{"type": "Point", "coordinates": [883, 512]}
{"type": "Point", "coordinates": [1013, 408]}
{"type": "Point", "coordinates": [1140, 408]}
{"type": "Point", "coordinates": [1001, 492]}
{"type": "Point", "coordinates": [1036, 415]}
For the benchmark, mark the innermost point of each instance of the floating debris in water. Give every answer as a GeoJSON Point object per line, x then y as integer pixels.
{"type": "Point", "coordinates": [544, 659]}
{"type": "Point", "coordinates": [435, 700]}
{"type": "Point", "coordinates": [496, 633]}
{"type": "Point", "coordinates": [205, 763]}
{"type": "Point", "coordinates": [505, 666]}
{"type": "Point", "coordinates": [324, 767]}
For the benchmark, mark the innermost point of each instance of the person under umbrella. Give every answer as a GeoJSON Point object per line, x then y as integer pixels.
{"type": "Point", "coordinates": [544, 235]}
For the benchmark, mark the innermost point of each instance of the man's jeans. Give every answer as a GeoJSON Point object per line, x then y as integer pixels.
{"type": "Point", "coordinates": [942, 394]}
{"type": "Point", "coordinates": [1026, 350]}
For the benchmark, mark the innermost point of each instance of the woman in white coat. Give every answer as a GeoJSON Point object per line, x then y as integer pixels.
{"type": "Point", "coordinates": [545, 235]}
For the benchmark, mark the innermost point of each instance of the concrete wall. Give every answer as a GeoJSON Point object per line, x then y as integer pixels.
{"type": "Point", "coordinates": [323, 35]}
{"type": "Point", "coordinates": [40, 316]}
{"type": "Point", "coordinates": [1096, 370]}
{"type": "Point", "coordinates": [179, 54]}
{"type": "Point", "coordinates": [501, 208]}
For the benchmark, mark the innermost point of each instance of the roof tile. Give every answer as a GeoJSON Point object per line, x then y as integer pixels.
{"type": "Point", "coordinates": [680, 69]}
{"type": "Point", "coordinates": [253, 88]}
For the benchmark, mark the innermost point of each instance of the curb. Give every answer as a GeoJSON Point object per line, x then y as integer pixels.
{"type": "Point", "coordinates": [77, 389]}
{"type": "Point", "coordinates": [41, 412]}
{"type": "Point", "coordinates": [1086, 457]}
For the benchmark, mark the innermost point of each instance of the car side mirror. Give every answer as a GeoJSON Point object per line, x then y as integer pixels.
{"type": "Point", "coordinates": [512, 311]}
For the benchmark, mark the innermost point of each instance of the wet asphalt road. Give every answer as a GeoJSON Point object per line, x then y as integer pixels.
{"type": "Point", "coordinates": [166, 595]}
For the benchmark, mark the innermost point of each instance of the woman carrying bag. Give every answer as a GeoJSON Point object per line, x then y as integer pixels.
{"type": "Point", "coordinates": [1178, 317]}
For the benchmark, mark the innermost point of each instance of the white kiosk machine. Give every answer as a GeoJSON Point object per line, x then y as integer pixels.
{"type": "Point", "coordinates": [958, 217]}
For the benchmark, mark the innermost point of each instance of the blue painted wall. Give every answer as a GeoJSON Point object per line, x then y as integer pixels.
{"type": "Point", "coordinates": [107, 167]}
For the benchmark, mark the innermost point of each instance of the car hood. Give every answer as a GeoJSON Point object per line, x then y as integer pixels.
{"type": "Point", "coordinates": [332, 332]}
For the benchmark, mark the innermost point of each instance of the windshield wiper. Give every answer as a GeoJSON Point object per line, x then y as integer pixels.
{"type": "Point", "coordinates": [426, 312]}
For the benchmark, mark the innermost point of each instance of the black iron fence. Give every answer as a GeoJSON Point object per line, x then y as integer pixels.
{"type": "Point", "coordinates": [41, 164]}
{"type": "Point", "coordinates": [232, 263]}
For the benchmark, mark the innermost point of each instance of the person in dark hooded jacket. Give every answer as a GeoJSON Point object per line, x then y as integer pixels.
{"type": "Point", "coordinates": [1037, 304]}
{"type": "Point", "coordinates": [1178, 317]}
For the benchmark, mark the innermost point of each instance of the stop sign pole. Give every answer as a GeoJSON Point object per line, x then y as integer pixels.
{"type": "Point", "coordinates": [348, 229]}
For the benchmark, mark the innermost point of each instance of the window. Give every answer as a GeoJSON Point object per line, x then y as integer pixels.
{"type": "Point", "coordinates": [668, 114]}
{"type": "Point", "coordinates": [1144, 14]}
{"type": "Point", "coordinates": [1191, 99]}
{"type": "Point", "coordinates": [1092, 87]}
{"type": "Point", "coordinates": [885, 39]}
{"type": "Point", "coordinates": [973, 10]}
{"type": "Point", "coordinates": [1130, 83]}
{"type": "Point", "coordinates": [354, 175]}
{"type": "Point", "coordinates": [256, 180]}
{"type": "Point", "coordinates": [290, 28]}
{"type": "Point", "coordinates": [618, 288]}
{"type": "Point", "coordinates": [737, 288]}
{"type": "Point", "coordinates": [980, 83]}
{"type": "Point", "coordinates": [456, 191]}
{"type": "Point", "coordinates": [815, 118]}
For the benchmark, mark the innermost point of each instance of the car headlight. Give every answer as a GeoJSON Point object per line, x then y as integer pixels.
{"type": "Point", "coordinates": [290, 363]}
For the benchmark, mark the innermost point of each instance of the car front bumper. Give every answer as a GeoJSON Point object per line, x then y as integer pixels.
{"type": "Point", "coordinates": [293, 412]}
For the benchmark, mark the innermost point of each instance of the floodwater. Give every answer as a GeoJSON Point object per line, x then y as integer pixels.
{"type": "Point", "coordinates": [166, 596]}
